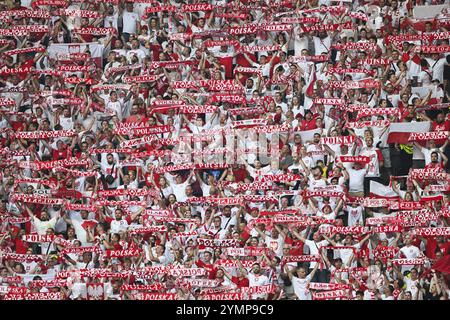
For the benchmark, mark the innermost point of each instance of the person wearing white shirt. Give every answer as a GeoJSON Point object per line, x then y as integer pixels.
{"type": "Point", "coordinates": [410, 252]}
{"type": "Point", "coordinates": [256, 279]}
{"type": "Point", "coordinates": [179, 187]}
{"type": "Point", "coordinates": [131, 21]}
{"type": "Point", "coordinates": [263, 65]}
{"type": "Point", "coordinates": [314, 249]}
{"type": "Point", "coordinates": [44, 222]}
{"type": "Point", "coordinates": [300, 281]}
{"type": "Point", "coordinates": [437, 65]}
{"type": "Point", "coordinates": [355, 215]}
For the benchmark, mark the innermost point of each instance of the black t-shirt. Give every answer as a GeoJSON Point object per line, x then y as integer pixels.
{"type": "Point", "coordinates": [429, 296]}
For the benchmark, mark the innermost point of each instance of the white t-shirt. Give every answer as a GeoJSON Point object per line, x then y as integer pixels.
{"type": "Point", "coordinates": [129, 21]}
{"type": "Point", "coordinates": [300, 287]}
{"type": "Point", "coordinates": [410, 252]}
{"type": "Point", "coordinates": [373, 165]}
{"type": "Point", "coordinates": [179, 190]}
{"type": "Point", "coordinates": [314, 249]}
{"type": "Point", "coordinates": [258, 280]}
{"type": "Point", "coordinates": [119, 226]}
{"type": "Point", "coordinates": [275, 244]}
{"type": "Point", "coordinates": [354, 215]}
{"type": "Point", "coordinates": [317, 152]}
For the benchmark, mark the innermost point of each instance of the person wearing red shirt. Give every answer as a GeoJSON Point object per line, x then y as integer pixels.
{"type": "Point", "coordinates": [206, 264]}
{"type": "Point", "coordinates": [61, 152]}
{"type": "Point", "coordinates": [435, 163]}
{"type": "Point", "coordinates": [308, 123]}
{"type": "Point", "coordinates": [240, 279]}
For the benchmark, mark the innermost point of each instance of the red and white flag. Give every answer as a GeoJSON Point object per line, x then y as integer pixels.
{"type": "Point", "coordinates": [399, 132]}
{"type": "Point", "coordinates": [379, 190]}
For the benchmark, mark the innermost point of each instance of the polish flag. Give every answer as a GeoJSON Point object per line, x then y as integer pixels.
{"type": "Point", "coordinates": [379, 190]}
{"type": "Point", "coordinates": [399, 131]}
{"type": "Point", "coordinates": [310, 87]}
{"type": "Point", "coordinates": [95, 49]}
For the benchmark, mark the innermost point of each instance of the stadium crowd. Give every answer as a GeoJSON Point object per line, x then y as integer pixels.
{"type": "Point", "coordinates": [224, 150]}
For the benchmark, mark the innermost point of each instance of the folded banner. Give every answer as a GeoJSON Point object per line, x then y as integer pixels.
{"type": "Point", "coordinates": [359, 159]}
{"type": "Point", "coordinates": [301, 258]}
{"type": "Point", "coordinates": [405, 205]}
{"type": "Point", "coordinates": [278, 212]}
{"type": "Point", "coordinates": [34, 296]}
{"type": "Point", "coordinates": [424, 174]}
{"type": "Point", "coordinates": [328, 286]}
{"type": "Point", "coordinates": [96, 31]}
{"type": "Point", "coordinates": [144, 130]}
{"type": "Point", "coordinates": [202, 283]}
{"type": "Point", "coordinates": [425, 136]}
{"type": "Point", "coordinates": [432, 231]}
{"type": "Point", "coordinates": [36, 199]}
{"type": "Point", "coordinates": [80, 13]}
{"type": "Point", "coordinates": [327, 27]}
{"type": "Point", "coordinates": [120, 203]}
{"type": "Point", "coordinates": [79, 206]}
{"type": "Point", "coordinates": [44, 134]}
{"type": "Point", "coordinates": [279, 177]}
{"type": "Point", "coordinates": [7, 102]}
{"type": "Point", "coordinates": [8, 71]}
{"type": "Point", "coordinates": [435, 106]}
{"type": "Point", "coordinates": [143, 287]}
{"type": "Point", "coordinates": [222, 296]}
{"type": "Point", "coordinates": [268, 288]}
{"type": "Point", "coordinates": [187, 272]}
{"type": "Point", "coordinates": [302, 20]}
{"type": "Point", "coordinates": [149, 229]}
{"type": "Point", "coordinates": [378, 111]}
{"type": "Point", "coordinates": [384, 229]}
{"type": "Point", "coordinates": [230, 98]}
{"type": "Point", "coordinates": [401, 262]}
{"type": "Point", "coordinates": [369, 83]}
{"type": "Point", "coordinates": [76, 173]}
{"type": "Point", "coordinates": [122, 253]}
{"type": "Point", "coordinates": [329, 101]}
{"type": "Point", "coordinates": [48, 283]}
{"type": "Point", "coordinates": [217, 242]}
{"type": "Point", "coordinates": [38, 165]}
{"type": "Point", "coordinates": [252, 49]}
{"type": "Point", "coordinates": [344, 230]}
{"type": "Point", "coordinates": [317, 58]}
{"type": "Point", "coordinates": [25, 50]}
{"type": "Point", "coordinates": [21, 257]}
{"type": "Point", "coordinates": [248, 70]}
{"type": "Point", "coordinates": [417, 37]}
{"type": "Point", "coordinates": [157, 296]}
{"type": "Point", "coordinates": [338, 140]}
{"type": "Point", "coordinates": [332, 70]}
{"type": "Point", "coordinates": [247, 251]}
{"type": "Point", "coordinates": [221, 43]}
{"type": "Point", "coordinates": [366, 46]}
{"type": "Point", "coordinates": [439, 187]}
{"type": "Point", "coordinates": [38, 238]}
{"type": "Point", "coordinates": [81, 250]}
{"type": "Point", "coordinates": [229, 263]}
{"type": "Point", "coordinates": [330, 295]}
{"type": "Point", "coordinates": [141, 79]}
{"type": "Point", "coordinates": [363, 124]}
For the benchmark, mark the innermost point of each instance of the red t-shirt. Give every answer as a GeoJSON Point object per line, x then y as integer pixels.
{"type": "Point", "coordinates": [60, 154]}
{"type": "Point", "coordinates": [445, 126]}
{"type": "Point", "coordinates": [209, 267]}
{"type": "Point", "coordinates": [241, 283]}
